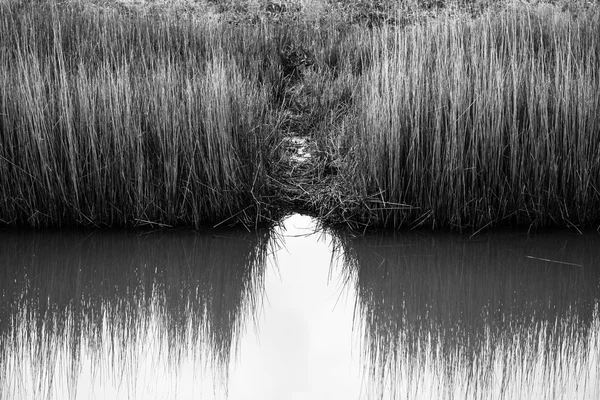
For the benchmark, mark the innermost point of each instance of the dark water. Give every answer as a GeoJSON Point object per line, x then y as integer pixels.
{"type": "Point", "coordinates": [297, 313]}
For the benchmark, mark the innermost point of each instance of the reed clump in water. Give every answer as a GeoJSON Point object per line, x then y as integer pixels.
{"type": "Point", "coordinates": [465, 122]}
{"type": "Point", "coordinates": [120, 120]}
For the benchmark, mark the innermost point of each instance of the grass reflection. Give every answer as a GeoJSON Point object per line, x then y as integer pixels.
{"type": "Point", "coordinates": [121, 299]}
{"type": "Point", "coordinates": [447, 317]}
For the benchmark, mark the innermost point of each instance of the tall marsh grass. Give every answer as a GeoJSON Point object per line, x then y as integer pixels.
{"type": "Point", "coordinates": [449, 118]}
{"type": "Point", "coordinates": [478, 122]}
{"type": "Point", "coordinates": [116, 119]}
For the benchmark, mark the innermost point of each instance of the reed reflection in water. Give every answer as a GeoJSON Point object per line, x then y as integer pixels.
{"type": "Point", "coordinates": [181, 314]}
{"type": "Point", "coordinates": [446, 316]}
{"type": "Point", "coordinates": [131, 311]}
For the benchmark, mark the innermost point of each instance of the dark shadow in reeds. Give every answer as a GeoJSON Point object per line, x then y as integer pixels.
{"type": "Point", "coordinates": [66, 297]}
{"type": "Point", "coordinates": [502, 315]}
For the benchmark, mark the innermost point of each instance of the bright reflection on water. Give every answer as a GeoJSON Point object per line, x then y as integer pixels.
{"type": "Point", "coordinates": [298, 313]}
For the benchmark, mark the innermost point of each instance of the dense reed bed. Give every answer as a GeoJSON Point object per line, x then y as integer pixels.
{"type": "Point", "coordinates": [466, 116]}
{"type": "Point", "coordinates": [473, 122]}
{"type": "Point", "coordinates": [125, 119]}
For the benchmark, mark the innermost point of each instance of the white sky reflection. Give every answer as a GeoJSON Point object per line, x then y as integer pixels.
{"type": "Point", "coordinates": [303, 346]}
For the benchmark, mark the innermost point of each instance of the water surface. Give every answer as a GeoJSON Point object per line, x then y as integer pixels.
{"type": "Point", "coordinates": [297, 312]}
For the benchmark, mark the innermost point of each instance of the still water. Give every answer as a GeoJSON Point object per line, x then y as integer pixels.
{"type": "Point", "coordinates": [299, 313]}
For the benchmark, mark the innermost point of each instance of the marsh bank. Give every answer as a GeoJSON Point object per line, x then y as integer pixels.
{"type": "Point", "coordinates": [461, 115]}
